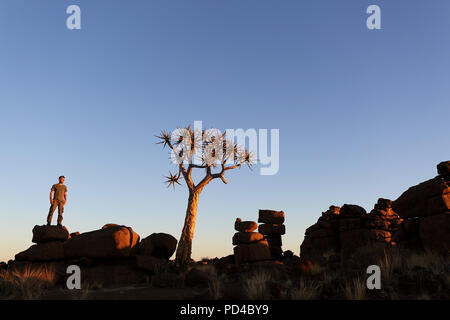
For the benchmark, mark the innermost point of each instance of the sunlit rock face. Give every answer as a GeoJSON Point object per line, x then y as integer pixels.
{"type": "Point", "coordinates": [341, 231]}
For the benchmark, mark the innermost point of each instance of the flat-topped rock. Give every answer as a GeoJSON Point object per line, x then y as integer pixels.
{"type": "Point", "coordinates": [268, 228]}
{"type": "Point", "coordinates": [43, 234]}
{"type": "Point", "coordinates": [271, 216]}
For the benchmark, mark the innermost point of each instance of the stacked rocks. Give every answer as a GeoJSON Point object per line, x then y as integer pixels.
{"type": "Point", "coordinates": [49, 244]}
{"type": "Point", "coordinates": [250, 246]}
{"type": "Point", "coordinates": [272, 228]}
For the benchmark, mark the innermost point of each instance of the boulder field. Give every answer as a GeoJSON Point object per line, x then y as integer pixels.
{"type": "Point", "coordinates": [418, 220]}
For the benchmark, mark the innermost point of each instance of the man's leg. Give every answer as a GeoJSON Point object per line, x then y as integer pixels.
{"type": "Point", "coordinates": [60, 212]}
{"type": "Point", "coordinates": [50, 212]}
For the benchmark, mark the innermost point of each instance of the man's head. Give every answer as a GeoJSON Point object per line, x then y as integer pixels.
{"type": "Point", "coordinates": [61, 179]}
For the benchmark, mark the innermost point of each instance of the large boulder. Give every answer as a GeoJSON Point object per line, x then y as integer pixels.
{"type": "Point", "coordinates": [42, 234]}
{"type": "Point", "coordinates": [252, 252]}
{"type": "Point", "coordinates": [42, 252]}
{"type": "Point", "coordinates": [427, 198]}
{"type": "Point", "coordinates": [245, 226]}
{"type": "Point", "coordinates": [159, 245]}
{"type": "Point", "coordinates": [271, 216]}
{"type": "Point", "coordinates": [108, 242]}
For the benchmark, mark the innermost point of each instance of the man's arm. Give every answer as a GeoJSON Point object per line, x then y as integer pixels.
{"type": "Point", "coordinates": [65, 198]}
{"type": "Point", "coordinates": [51, 196]}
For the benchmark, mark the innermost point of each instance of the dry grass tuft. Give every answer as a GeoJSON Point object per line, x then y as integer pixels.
{"type": "Point", "coordinates": [355, 289]}
{"type": "Point", "coordinates": [390, 262]}
{"type": "Point", "coordinates": [307, 290]}
{"type": "Point", "coordinates": [216, 285]}
{"type": "Point", "coordinates": [26, 284]}
{"type": "Point", "coordinates": [256, 285]}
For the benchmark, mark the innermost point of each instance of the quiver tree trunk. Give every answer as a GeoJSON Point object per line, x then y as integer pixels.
{"type": "Point", "coordinates": [184, 249]}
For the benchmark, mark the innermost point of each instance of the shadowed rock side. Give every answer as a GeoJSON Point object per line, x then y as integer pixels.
{"type": "Point", "coordinates": [426, 210]}
{"type": "Point", "coordinates": [272, 228]}
{"type": "Point", "coordinates": [339, 232]}
{"type": "Point", "coordinates": [159, 245]}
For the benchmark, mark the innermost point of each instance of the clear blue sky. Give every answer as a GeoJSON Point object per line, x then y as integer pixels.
{"type": "Point", "coordinates": [362, 114]}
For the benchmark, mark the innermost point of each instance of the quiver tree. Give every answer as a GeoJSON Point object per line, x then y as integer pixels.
{"type": "Point", "coordinates": [206, 150]}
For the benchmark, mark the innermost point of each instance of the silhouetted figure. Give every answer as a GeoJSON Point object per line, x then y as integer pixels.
{"type": "Point", "coordinates": [58, 198]}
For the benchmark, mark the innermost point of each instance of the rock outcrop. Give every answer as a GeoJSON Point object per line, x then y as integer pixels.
{"type": "Point", "coordinates": [250, 246]}
{"type": "Point", "coordinates": [112, 255]}
{"type": "Point", "coordinates": [342, 231]}
{"type": "Point", "coordinates": [272, 228]}
{"type": "Point", "coordinates": [55, 243]}
{"type": "Point", "coordinates": [426, 210]}
{"type": "Point", "coordinates": [418, 220]}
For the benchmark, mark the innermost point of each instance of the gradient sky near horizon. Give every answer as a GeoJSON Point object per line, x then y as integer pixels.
{"type": "Point", "coordinates": [362, 114]}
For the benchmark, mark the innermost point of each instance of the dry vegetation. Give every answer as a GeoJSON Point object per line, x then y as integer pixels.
{"type": "Point", "coordinates": [26, 284]}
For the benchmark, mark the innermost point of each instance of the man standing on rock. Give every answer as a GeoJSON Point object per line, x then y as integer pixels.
{"type": "Point", "coordinates": [58, 198]}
